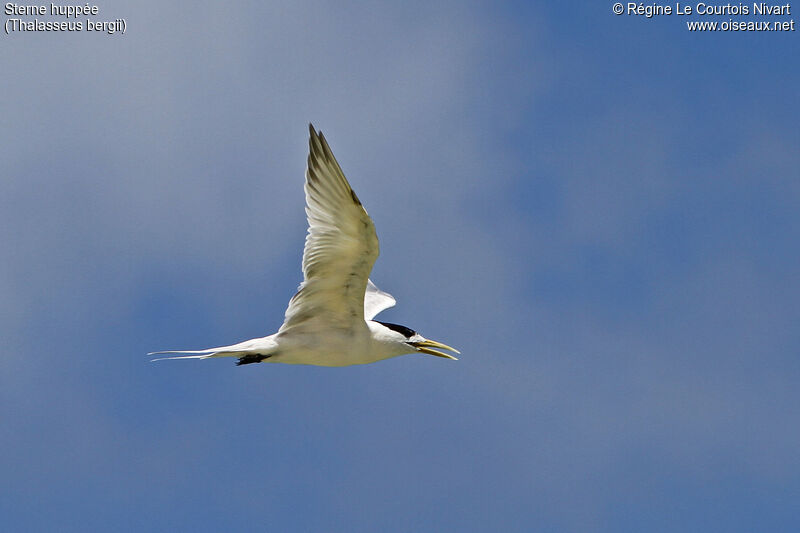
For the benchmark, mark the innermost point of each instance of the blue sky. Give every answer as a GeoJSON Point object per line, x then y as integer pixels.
{"type": "Point", "coordinates": [601, 212]}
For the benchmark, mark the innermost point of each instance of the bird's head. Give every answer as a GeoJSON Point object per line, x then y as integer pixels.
{"type": "Point", "coordinates": [407, 337]}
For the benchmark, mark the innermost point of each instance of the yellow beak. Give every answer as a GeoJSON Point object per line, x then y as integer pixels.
{"type": "Point", "coordinates": [427, 346]}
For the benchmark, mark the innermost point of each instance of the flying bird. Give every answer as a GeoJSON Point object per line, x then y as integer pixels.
{"type": "Point", "coordinates": [330, 321]}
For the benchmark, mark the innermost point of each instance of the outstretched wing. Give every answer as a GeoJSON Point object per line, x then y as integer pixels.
{"type": "Point", "coordinates": [375, 301]}
{"type": "Point", "coordinates": [341, 247]}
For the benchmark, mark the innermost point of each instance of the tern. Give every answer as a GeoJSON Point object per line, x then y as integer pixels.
{"type": "Point", "coordinates": [329, 322]}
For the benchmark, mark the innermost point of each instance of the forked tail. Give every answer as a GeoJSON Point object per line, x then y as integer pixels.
{"type": "Point", "coordinates": [190, 354]}
{"type": "Point", "coordinates": [252, 351]}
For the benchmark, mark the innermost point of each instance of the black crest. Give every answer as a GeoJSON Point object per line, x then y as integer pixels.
{"type": "Point", "coordinates": [402, 330]}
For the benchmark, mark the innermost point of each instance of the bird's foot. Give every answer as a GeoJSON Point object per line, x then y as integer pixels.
{"type": "Point", "coordinates": [251, 358]}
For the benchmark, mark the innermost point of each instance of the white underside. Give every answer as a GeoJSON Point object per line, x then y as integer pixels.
{"type": "Point", "coordinates": [333, 348]}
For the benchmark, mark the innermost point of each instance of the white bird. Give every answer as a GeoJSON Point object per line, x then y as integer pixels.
{"type": "Point", "coordinates": [329, 322]}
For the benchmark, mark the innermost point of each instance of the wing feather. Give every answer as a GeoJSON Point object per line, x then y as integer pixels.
{"type": "Point", "coordinates": [341, 247]}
